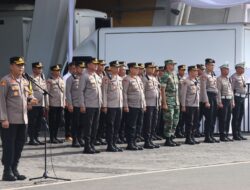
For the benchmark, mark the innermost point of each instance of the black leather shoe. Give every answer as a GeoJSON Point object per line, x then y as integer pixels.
{"type": "Point", "coordinates": [242, 138]}
{"type": "Point", "coordinates": [147, 145]}
{"type": "Point", "coordinates": [215, 140]}
{"type": "Point", "coordinates": [80, 141]}
{"type": "Point", "coordinates": [138, 147]}
{"type": "Point", "coordinates": [176, 143]}
{"type": "Point", "coordinates": [223, 139]}
{"type": "Point", "coordinates": [236, 138]}
{"type": "Point", "coordinates": [39, 142]}
{"type": "Point", "coordinates": [208, 140]}
{"type": "Point", "coordinates": [59, 141]}
{"type": "Point", "coordinates": [158, 137]}
{"type": "Point", "coordinates": [195, 141]}
{"type": "Point", "coordinates": [75, 143]}
{"type": "Point", "coordinates": [168, 142]}
{"type": "Point", "coordinates": [88, 150]}
{"type": "Point", "coordinates": [93, 148]}
{"type": "Point", "coordinates": [189, 141]}
{"type": "Point", "coordinates": [17, 175]}
{"type": "Point", "coordinates": [8, 175]}
{"type": "Point", "coordinates": [229, 139]}
{"type": "Point", "coordinates": [131, 147]}
{"type": "Point", "coordinates": [118, 148]}
{"type": "Point", "coordinates": [179, 135]}
{"type": "Point", "coordinates": [111, 148]}
{"type": "Point", "coordinates": [154, 145]}
{"type": "Point", "coordinates": [33, 142]}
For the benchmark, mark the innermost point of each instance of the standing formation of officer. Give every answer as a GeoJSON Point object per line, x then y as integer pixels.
{"type": "Point", "coordinates": [140, 105]}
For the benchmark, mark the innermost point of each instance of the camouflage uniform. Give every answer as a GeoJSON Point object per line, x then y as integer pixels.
{"type": "Point", "coordinates": [169, 81]}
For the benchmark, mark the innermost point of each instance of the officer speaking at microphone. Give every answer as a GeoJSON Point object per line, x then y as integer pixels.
{"type": "Point", "coordinates": [15, 95]}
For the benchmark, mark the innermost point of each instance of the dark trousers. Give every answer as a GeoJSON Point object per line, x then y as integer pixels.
{"type": "Point", "coordinates": [180, 126]}
{"type": "Point", "coordinates": [102, 125]}
{"type": "Point", "coordinates": [35, 120]}
{"type": "Point", "coordinates": [123, 127]}
{"type": "Point", "coordinates": [77, 123]}
{"type": "Point", "coordinates": [92, 116]}
{"type": "Point", "coordinates": [114, 116]}
{"type": "Point", "coordinates": [150, 122]}
{"type": "Point", "coordinates": [160, 124]}
{"type": "Point", "coordinates": [201, 114]}
{"type": "Point", "coordinates": [13, 140]}
{"type": "Point", "coordinates": [191, 120]}
{"type": "Point", "coordinates": [238, 112]}
{"type": "Point", "coordinates": [224, 116]}
{"type": "Point", "coordinates": [210, 115]}
{"type": "Point", "coordinates": [55, 121]}
{"type": "Point", "coordinates": [134, 123]}
{"type": "Point", "coordinates": [68, 121]}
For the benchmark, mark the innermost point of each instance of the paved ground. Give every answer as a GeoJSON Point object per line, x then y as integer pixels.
{"type": "Point", "coordinates": [204, 166]}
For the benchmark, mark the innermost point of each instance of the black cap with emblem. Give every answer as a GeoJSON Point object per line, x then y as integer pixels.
{"type": "Point", "coordinates": [209, 60]}
{"type": "Point", "coordinates": [182, 67]}
{"type": "Point", "coordinates": [17, 60]}
{"type": "Point", "coordinates": [55, 68]}
{"type": "Point", "coordinates": [114, 64]}
{"type": "Point", "coordinates": [37, 65]}
{"type": "Point", "coordinates": [133, 65]}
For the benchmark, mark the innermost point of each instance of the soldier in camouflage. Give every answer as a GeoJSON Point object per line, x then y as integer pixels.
{"type": "Point", "coordinates": [170, 102]}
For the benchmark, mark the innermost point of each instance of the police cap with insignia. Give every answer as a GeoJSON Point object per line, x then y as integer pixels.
{"type": "Point", "coordinates": [37, 65]}
{"type": "Point", "coordinates": [209, 60]}
{"type": "Point", "coordinates": [182, 67]}
{"type": "Point", "coordinates": [133, 65]}
{"type": "Point", "coordinates": [114, 64]}
{"type": "Point", "coordinates": [17, 60]}
{"type": "Point", "coordinates": [150, 65]}
{"type": "Point", "coordinates": [102, 62]}
{"type": "Point", "coordinates": [55, 68]}
{"type": "Point", "coordinates": [192, 68]}
{"type": "Point", "coordinates": [95, 61]}
{"type": "Point", "coordinates": [122, 63]}
{"type": "Point", "coordinates": [241, 65]}
{"type": "Point", "coordinates": [161, 68]}
{"type": "Point", "coordinates": [201, 66]}
{"type": "Point", "coordinates": [226, 66]}
{"type": "Point", "coordinates": [170, 61]}
{"type": "Point", "coordinates": [80, 64]}
{"type": "Point", "coordinates": [141, 66]}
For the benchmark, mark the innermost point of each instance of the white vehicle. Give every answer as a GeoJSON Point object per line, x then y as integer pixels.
{"type": "Point", "coordinates": [185, 44]}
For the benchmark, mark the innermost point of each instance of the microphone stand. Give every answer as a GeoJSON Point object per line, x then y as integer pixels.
{"type": "Point", "coordinates": [46, 127]}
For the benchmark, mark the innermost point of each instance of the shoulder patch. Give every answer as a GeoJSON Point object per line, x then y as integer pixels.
{"type": "Point", "coordinates": [3, 83]}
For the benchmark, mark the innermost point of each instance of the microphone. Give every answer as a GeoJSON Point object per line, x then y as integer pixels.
{"type": "Point", "coordinates": [27, 77]}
